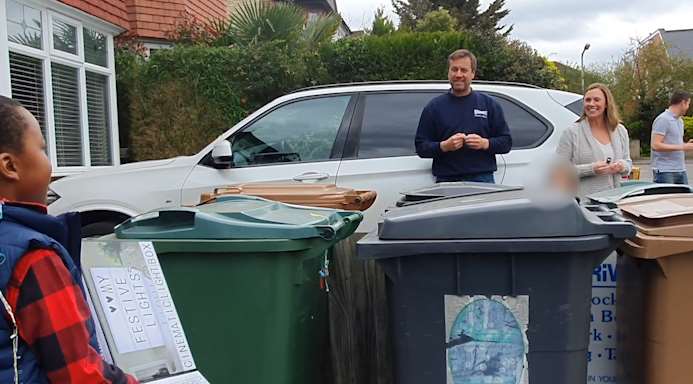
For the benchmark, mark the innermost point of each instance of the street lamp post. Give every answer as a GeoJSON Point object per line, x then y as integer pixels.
{"type": "Point", "coordinates": [582, 66]}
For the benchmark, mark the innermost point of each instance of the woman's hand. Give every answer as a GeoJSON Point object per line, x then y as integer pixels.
{"type": "Point", "coordinates": [618, 167]}
{"type": "Point", "coordinates": [601, 168]}
{"type": "Point", "coordinates": [604, 168]}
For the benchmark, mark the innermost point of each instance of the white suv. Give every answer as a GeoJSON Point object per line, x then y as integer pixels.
{"type": "Point", "coordinates": [354, 135]}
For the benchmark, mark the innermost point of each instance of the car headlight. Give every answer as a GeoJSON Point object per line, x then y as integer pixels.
{"type": "Point", "coordinates": [51, 197]}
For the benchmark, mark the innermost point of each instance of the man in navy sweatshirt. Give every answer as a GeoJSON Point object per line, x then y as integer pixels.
{"type": "Point", "coordinates": [463, 130]}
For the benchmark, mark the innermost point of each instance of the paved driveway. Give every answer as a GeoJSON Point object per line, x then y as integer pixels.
{"type": "Point", "coordinates": [646, 171]}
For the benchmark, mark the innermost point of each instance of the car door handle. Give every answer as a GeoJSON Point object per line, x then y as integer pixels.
{"type": "Point", "coordinates": [311, 176]}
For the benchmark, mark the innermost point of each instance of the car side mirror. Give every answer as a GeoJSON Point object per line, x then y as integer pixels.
{"type": "Point", "coordinates": [222, 155]}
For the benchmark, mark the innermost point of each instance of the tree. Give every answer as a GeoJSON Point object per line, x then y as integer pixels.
{"type": "Point", "coordinates": [437, 21]}
{"type": "Point", "coordinates": [466, 12]}
{"type": "Point", "coordinates": [382, 25]}
{"type": "Point", "coordinates": [642, 81]}
{"type": "Point", "coordinates": [572, 79]}
{"type": "Point", "coordinates": [411, 11]}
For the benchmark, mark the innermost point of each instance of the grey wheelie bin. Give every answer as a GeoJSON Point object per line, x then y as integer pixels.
{"type": "Point", "coordinates": [492, 288]}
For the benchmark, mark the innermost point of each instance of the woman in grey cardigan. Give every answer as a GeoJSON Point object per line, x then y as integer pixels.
{"type": "Point", "coordinates": [597, 144]}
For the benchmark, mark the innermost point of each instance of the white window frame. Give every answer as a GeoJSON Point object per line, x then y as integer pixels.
{"type": "Point", "coordinates": [51, 10]}
{"type": "Point", "coordinates": [52, 16]}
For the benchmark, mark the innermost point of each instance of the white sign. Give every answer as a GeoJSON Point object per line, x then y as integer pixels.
{"type": "Point", "coordinates": [601, 357]}
{"type": "Point", "coordinates": [126, 302]}
{"type": "Point", "coordinates": [138, 321]}
{"type": "Point", "coordinates": [175, 334]}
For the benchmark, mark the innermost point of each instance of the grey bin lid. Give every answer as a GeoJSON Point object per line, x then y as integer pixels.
{"type": "Point", "coordinates": [633, 189]}
{"type": "Point", "coordinates": [511, 214]}
{"type": "Point", "coordinates": [449, 190]}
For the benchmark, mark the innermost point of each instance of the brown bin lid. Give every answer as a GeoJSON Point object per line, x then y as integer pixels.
{"type": "Point", "coordinates": [314, 195]}
{"type": "Point", "coordinates": [664, 223]}
{"type": "Point", "coordinates": [653, 247]}
{"type": "Point", "coordinates": [661, 213]}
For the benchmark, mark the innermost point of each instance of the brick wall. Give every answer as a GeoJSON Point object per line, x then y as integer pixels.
{"type": "Point", "coordinates": [156, 18]}
{"type": "Point", "coordinates": [151, 18]}
{"type": "Point", "coordinates": [112, 11]}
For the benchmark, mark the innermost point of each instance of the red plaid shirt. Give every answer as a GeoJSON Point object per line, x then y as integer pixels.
{"type": "Point", "coordinates": [51, 315]}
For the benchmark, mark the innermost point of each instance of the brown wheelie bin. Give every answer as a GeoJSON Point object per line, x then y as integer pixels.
{"type": "Point", "coordinates": [655, 292]}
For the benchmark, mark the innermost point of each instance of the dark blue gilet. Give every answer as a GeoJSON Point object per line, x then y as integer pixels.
{"type": "Point", "coordinates": [22, 230]}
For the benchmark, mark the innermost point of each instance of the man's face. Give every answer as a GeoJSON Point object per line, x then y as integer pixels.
{"type": "Point", "coordinates": [461, 74]}
{"type": "Point", "coordinates": [684, 106]}
{"type": "Point", "coordinates": [29, 170]}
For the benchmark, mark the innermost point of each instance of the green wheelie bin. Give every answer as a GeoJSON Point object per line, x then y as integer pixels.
{"type": "Point", "coordinates": [248, 277]}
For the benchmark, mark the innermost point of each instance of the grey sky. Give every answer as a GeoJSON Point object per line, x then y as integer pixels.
{"type": "Point", "coordinates": [559, 29]}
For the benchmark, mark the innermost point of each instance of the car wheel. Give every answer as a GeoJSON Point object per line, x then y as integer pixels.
{"type": "Point", "coordinates": [99, 228]}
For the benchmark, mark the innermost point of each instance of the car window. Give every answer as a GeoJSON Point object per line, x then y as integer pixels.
{"type": "Point", "coordinates": [575, 107]}
{"type": "Point", "coordinates": [390, 122]}
{"type": "Point", "coordinates": [526, 129]}
{"type": "Point", "coordinates": [298, 132]}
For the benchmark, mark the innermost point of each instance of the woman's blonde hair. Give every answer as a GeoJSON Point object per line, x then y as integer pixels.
{"type": "Point", "coordinates": [611, 115]}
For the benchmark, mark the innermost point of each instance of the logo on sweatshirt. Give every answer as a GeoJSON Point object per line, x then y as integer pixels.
{"type": "Point", "coordinates": [481, 114]}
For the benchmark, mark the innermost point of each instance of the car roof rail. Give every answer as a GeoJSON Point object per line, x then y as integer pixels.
{"type": "Point", "coordinates": [398, 82]}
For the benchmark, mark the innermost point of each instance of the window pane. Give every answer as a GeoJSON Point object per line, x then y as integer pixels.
{"type": "Point", "coordinates": [390, 122]}
{"type": "Point", "coordinates": [97, 111]}
{"type": "Point", "coordinates": [95, 48]}
{"type": "Point", "coordinates": [23, 24]}
{"type": "Point", "coordinates": [66, 111]}
{"type": "Point", "coordinates": [576, 107]}
{"type": "Point", "coordinates": [64, 37]}
{"type": "Point", "coordinates": [527, 130]}
{"type": "Point", "coordinates": [26, 78]}
{"type": "Point", "coordinates": [302, 131]}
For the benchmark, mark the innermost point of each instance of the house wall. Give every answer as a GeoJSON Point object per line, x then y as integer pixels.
{"type": "Point", "coordinates": [152, 19]}
{"type": "Point", "coordinates": [156, 18]}
{"type": "Point", "coordinates": [112, 11]}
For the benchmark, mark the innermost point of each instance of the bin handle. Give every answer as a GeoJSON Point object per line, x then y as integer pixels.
{"type": "Point", "coordinates": [179, 218]}
{"type": "Point", "coordinates": [611, 214]}
{"type": "Point", "coordinates": [349, 220]}
{"type": "Point", "coordinates": [333, 232]}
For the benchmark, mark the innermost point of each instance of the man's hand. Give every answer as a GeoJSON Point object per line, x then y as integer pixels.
{"type": "Point", "coordinates": [453, 143]}
{"type": "Point", "coordinates": [688, 146]}
{"type": "Point", "coordinates": [477, 142]}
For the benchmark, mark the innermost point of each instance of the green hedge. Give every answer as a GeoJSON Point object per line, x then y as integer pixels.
{"type": "Point", "coordinates": [417, 56]}
{"type": "Point", "coordinates": [688, 127]}
{"type": "Point", "coordinates": [180, 99]}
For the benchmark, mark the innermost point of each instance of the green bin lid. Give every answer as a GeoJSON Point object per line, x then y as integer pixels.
{"type": "Point", "coordinates": [636, 188]}
{"type": "Point", "coordinates": [241, 217]}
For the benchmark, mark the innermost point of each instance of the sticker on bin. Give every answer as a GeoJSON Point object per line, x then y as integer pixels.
{"type": "Point", "coordinates": [125, 295]}
{"type": "Point", "coordinates": [486, 339]}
